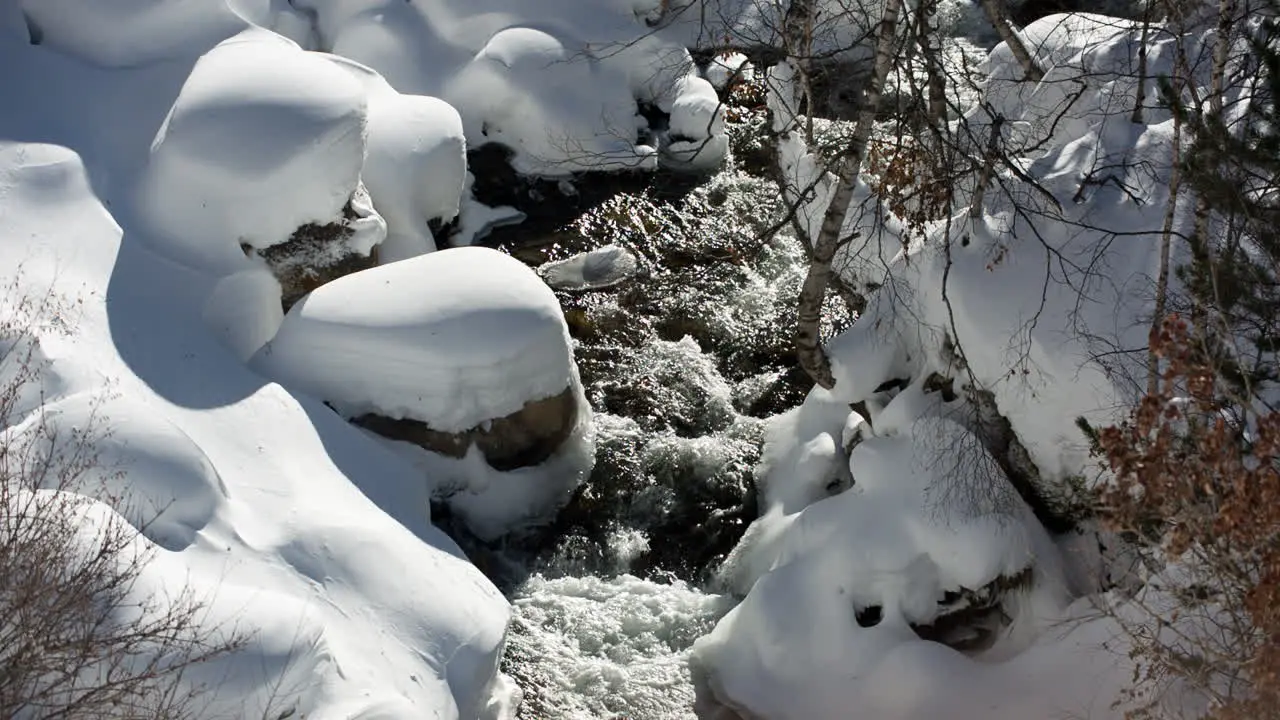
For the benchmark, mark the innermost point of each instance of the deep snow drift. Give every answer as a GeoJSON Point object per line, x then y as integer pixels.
{"type": "Point", "coordinates": [155, 153]}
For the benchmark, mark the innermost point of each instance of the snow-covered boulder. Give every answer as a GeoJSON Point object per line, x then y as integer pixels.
{"type": "Point", "coordinates": [290, 528]}
{"type": "Point", "coordinates": [415, 165]}
{"type": "Point", "coordinates": [552, 102]}
{"type": "Point", "coordinates": [262, 153]}
{"type": "Point", "coordinates": [598, 269]}
{"type": "Point", "coordinates": [464, 352]}
{"type": "Point", "coordinates": [697, 125]}
{"type": "Point", "coordinates": [728, 69]}
{"type": "Point", "coordinates": [930, 542]}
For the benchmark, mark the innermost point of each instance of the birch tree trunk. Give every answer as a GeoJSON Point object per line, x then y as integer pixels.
{"type": "Point", "coordinates": [1141, 94]}
{"type": "Point", "coordinates": [927, 41]}
{"type": "Point", "coordinates": [999, 19]}
{"type": "Point", "coordinates": [813, 358]}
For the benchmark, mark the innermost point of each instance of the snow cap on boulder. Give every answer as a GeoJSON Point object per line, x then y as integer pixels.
{"type": "Point", "coordinates": [450, 339]}
{"type": "Point", "coordinates": [263, 138]}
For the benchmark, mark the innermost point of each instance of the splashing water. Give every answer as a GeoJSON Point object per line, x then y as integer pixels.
{"type": "Point", "coordinates": [587, 648]}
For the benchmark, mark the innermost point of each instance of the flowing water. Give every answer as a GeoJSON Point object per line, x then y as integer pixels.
{"type": "Point", "coordinates": [681, 364]}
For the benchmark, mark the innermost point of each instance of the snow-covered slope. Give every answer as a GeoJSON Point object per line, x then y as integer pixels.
{"type": "Point", "coordinates": [298, 530]}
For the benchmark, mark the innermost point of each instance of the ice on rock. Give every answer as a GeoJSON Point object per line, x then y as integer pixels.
{"type": "Point", "coordinates": [464, 352]}
{"type": "Point", "coordinates": [264, 138]}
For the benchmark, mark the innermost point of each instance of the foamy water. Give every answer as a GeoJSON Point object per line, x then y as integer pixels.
{"type": "Point", "coordinates": [585, 648]}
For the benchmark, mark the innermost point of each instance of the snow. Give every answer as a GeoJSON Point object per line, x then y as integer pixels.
{"type": "Point", "coordinates": [1001, 292]}
{"type": "Point", "coordinates": [593, 270]}
{"type": "Point", "coordinates": [528, 90]}
{"type": "Point", "coordinates": [697, 125]}
{"type": "Point", "coordinates": [450, 339]}
{"type": "Point", "coordinates": [272, 506]}
{"type": "Point", "coordinates": [728, 69]}
{"type": "Point", "coordinates": [920, 518]}
{"type": "Point", "coordinates": [243, 310]}
{"type": "Point", "coordinates": [146, 144]}
{"type": "Point", "coordinates": [121, 33]}
{"type": "Point", "coordinates": [415, 167]}
{"type": "Point", "coordinates": [263, 138]}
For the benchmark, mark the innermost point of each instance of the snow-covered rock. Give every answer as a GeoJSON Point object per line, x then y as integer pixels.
{"type": "Point", "coordinates": [415, 165]}
{"type": "Point", "coordinates": [120, 33]}
{"type": "Point", "coordinates": [293, 527]}
{"type": "Point", "coordinates": [854, 576]}
{"type": "Point", "coordinates": [1036, 300]}
{"type": "Point", "coordinates": [696, 125]}
{"type": "Point", "coordinates": [550, 100]}
{"type": "Point", "coordinates": [597, 269]}
{"type": "Point", "coordinates": [727, 69]}
{"type": "Point", "coordinates": [263, 139]}
{"type": "Point", "coordinates": [463, 351]}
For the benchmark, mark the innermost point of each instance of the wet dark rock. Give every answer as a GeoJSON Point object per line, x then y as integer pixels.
{"type": "Point", "coordinates": [549, 204]}
{"type": "Point", "coordinates": [526, 437]}
{"type": "Point", "coordinates": [972, 620]}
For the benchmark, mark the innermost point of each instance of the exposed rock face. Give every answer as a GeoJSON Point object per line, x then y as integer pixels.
{"type": "Point", "coordinates": [317, 254]}
{"type": "Point", "coordinates": [973, 619]}
{"type": "Point", "coordinates": [527, 437]}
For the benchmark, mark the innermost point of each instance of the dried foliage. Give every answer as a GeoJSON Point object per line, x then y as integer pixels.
{"type": "Point", "coordinates": [78, 636]}
{"type": "Point", "coordinates": [1197, 486]}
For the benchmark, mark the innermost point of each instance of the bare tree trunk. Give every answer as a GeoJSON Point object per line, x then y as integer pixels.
{"type": "Point", "coordinates": [797, 37]}
{"type": "Point", "coordinates": [999, 19]}
{"type": "Point", "coordinates": [1141, 96]}
{"type": "Point", "coordinates": [926, 40]}
{"type": "Point", "coordinates": [813, 358]}
{"type": "Point", "coordinates": [988, 166]}
{"type": "Point", "coordinates": [1202, 244]}
{"type": "Point", "coordinates": [1166, 239]}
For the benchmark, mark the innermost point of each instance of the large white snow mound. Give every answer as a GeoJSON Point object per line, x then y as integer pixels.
{"type": "Point", "coordinates": [559, 83]}
{"type": "Point", "coordinates": [415, 164]}
{"type": "Point", "coordinates": [118, 33]}
{"type": "Point", "coordinates": [297, 530]}
{"type": "Point", "coordinates": [263, 138]}
{"type": "Point", "coordinates": [450, 339]}
{"type": "Point", "coordinates": [921, 519]}
{"type": "Point", "coordinates": [555, 105]}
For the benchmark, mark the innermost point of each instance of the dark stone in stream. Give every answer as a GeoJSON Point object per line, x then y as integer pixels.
{"type": "Point", "coordinates": [526, 437]}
